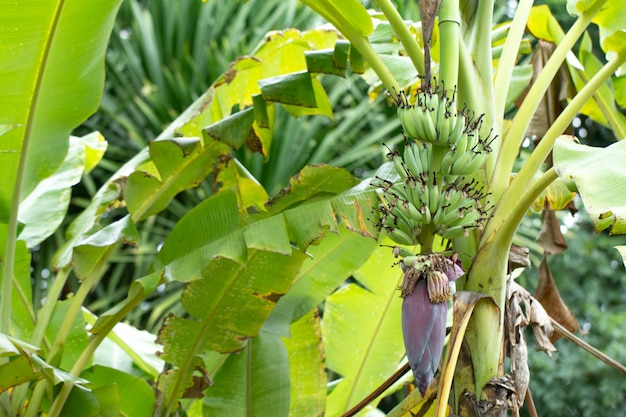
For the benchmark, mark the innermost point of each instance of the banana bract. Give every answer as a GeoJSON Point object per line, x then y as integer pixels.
{"type": "Point", "coordinates": [426, 289]}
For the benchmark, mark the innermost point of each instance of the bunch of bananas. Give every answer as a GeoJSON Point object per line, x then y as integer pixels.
{"type": "Point", "coordinates": [443, 147]}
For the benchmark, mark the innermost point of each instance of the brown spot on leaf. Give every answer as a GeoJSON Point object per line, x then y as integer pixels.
{"type": "Point", "coordinates": [253, 142]}
{"type": "Point", "coordinates": [271, 296]}
{"type": "Point", "coordinates": [199, 384]}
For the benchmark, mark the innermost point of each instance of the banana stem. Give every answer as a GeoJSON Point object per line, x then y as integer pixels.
{"type": "Point", "coordinates": [449, 31]}
{"type": "Point", "coordinates": [407, 39]}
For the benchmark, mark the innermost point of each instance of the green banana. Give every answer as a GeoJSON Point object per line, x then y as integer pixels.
{"type": "Point", "coordinates": [474, 163]}
{"type": "Point", "coordinates": [447, 161]}
{"type": "Point", "coordinates": [414, 213]}
{"type": "Point", "coordinates": [412, 163]}
{"type": "Point", "coordinates": [424, 154]}
{"type": "Point", "coordinates": [461, 144]}
{"type": "Point", "coordinates": [400, 237]}
{"type": "Point", "coordinates": [458, 129]}
{"type": "Point", "coordinates": [453, 232]}
{"type": "Point", "coordinates": [419, 117]}
{"type": "Point", "coordinates": [430, 133]}
{"type": "Point", "coordinates": [462, 160]}
{"type": "Point", "coordinates": [441, 122]}
{"type": "Point", "coordinates": [399, 167]}
{"type": "Point", "coordinates": [427, 214]}
{"type": "Point", "coordinates": [446, 128]}
{"type": "Point", "coordinates": [433, 198]}
{"type": "Point", "coordinates": [406, 114]}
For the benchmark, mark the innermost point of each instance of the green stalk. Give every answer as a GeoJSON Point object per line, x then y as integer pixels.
{"type": "Point", "coordinates": [87, 353]}
{"type": "Point", "coordinates": [488, 276]}
{"type": "Point", "coordinates": [449, 31]}
{"type": "Point", "coordinates": [367, 52]}
{"type": "Point", "coordinates": [45, 313]}
{"type": "Point", "coordinates": [77, 304]}
{"type": "Point", "coordinates": [359, 41]}
{"type": "Point", "coordinates": [478, 40]}
{"type": "Point", "coordinates": [404, 34]}
{"type": "Point", "coordinates": [515, 133]}
{"type": "Point", "coordinates": [43, 318]}
{"type": "Point", "coordinates": [59, 342]}
{"type": "Point", "coordinates": [508, 203]}
{"type": "Point", "coordinates": [9, 250]}
{"type": "Point", "coordinates": [508, 58]}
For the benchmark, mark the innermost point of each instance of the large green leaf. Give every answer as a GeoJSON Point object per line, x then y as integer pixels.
{"type": "Point", "coordinates": [254, 383]}
{"type": "Point", "coordinates": [306, 367]}
{"type": "Point", "coordinates": [598, 175]}
{"type": "Point", "coordinates": [331, 262]}
{"type": "Point", "coordinates": [362, 331]}
{"type": "Point", "coordinates": [238, 272]}
{"type": "Point", "coordinates": [43, 95]}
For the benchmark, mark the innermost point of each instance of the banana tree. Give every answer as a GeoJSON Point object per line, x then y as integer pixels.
{"type": "Point", "coordinates": [455, 179]}
{"type": "Point", "coordinates": [251, 270]}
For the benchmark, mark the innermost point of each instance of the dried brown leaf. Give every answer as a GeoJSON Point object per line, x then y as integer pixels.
{"type": "Point", "coordinates": [428, 12]}
{"type": "Point", "coordinates": [518, 258]}
{"type": "Point", "coordinates": [550, 237]}
{"type": "Point", "coordinates": [553, 101]}
{"type": "Point", "coordinates": [548, 295]}
{"type": "Point", "coordinates": [532, 313]}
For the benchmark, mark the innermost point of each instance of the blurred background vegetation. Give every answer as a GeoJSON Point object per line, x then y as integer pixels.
{"type": "Point", "coordinates": [165, 53]}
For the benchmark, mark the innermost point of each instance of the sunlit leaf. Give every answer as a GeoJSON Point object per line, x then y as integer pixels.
{"type": "Point", "coordinates": [182, 163]}
{"type": "Point", "coordinates": [347, 16]}
{"type": "Point", "coordinates": [312, 180]}
{"type": "Point", "coordinates": [251, 196]}
{"type": "Point", "coordinates": [95, 147]}
{"type": "Point", "coordinates": [44, 209]}
{"type": "Point", "coordinates": [92, 249]}
{"type": "Point", "coordinates": [42, 94]}
{"type": "Point", "coordinates": [555, 197]}
{"type": "Point", "coordinates": [306, 357]}
{"type": "Point", "coordinates": [135, 396]}
{"type": "Point", "coordinates": [598, 176]}
{"type": "Point", "coordinates": [543, 25]}
{"type": "Point", "coordinates": [331, 262]}
{"type": "Point", "coordinates": [255, 381]}
{"type": "Point", "coordinates": [370, 314]}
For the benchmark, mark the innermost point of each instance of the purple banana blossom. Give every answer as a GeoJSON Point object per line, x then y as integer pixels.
{"type": "Point", "coordinates": [424, 312]}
